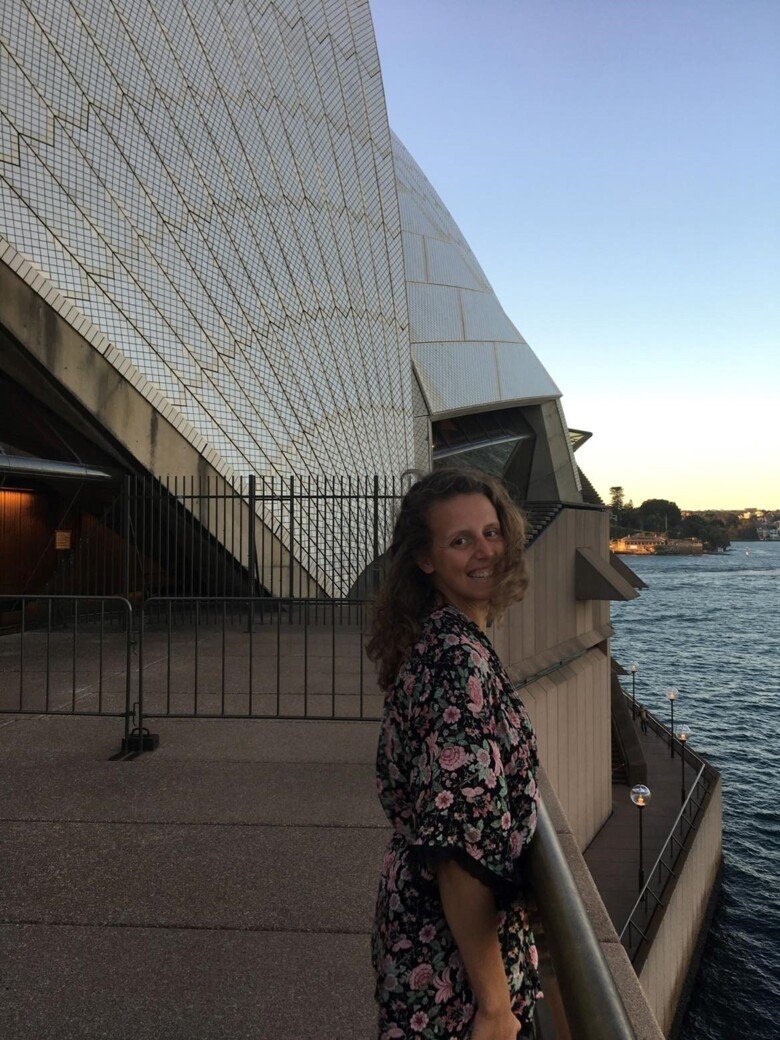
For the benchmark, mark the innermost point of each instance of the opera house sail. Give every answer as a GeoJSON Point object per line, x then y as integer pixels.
{"type": "Point", "coordinates": [221, 270]}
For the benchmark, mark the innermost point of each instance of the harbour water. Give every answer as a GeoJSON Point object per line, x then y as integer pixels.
{"type": "Point", "coordinates": [709, 626]}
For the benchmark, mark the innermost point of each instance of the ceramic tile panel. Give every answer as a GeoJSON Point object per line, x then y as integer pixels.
{"type": "Point", "coordinates": [467, 353]}
{"type": "Point", "coordinates": [205, 188]}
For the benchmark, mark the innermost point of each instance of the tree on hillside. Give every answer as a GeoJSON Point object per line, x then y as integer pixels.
{"type": "Point", "coordinates": [616, 498]}
{"type": "Point", "coordinates": [659, 514]}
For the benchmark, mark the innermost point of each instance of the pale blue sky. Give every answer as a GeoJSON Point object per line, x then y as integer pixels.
{"type": "Point", "coordinates": [615, 166]}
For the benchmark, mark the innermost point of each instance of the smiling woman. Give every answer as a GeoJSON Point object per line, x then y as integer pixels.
{"type": "Point", "coordinates": [452, 949]}
{"type": "Point", "coordinates": [466, 546]}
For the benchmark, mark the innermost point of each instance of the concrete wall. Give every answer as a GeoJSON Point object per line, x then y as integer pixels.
{"type": "Point", "coordinates": [570, 706]}
{"type": "Point", "coordinates": [571, 715]}
{"type": "Point", "coordinates": [538, 631]}
{"type": "Point", "coordinates": [665, 970]}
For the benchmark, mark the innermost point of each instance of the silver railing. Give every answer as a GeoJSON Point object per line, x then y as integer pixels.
{"type": "Point", "coordinates": [650, 901]}
{"type": "Point", "coordinates": [592, 1004]}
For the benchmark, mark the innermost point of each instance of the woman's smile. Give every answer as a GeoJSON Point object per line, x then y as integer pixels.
{"type": "Point", "coordinates": [466, 542]}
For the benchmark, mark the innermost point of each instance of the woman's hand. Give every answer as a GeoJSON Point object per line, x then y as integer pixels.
{"type": "Point", "coordinates": [499, 1025]}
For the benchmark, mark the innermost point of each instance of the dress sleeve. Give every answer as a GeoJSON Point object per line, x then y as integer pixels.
{"type": "Point", "coordinates": [462, 807]}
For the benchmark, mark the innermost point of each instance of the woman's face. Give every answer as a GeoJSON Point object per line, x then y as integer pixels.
{"type": "Point", "coordinates": [466, 544]}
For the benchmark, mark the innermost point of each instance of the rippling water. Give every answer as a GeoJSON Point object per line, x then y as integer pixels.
{"type": "Point", "coordinates": [710, 626]}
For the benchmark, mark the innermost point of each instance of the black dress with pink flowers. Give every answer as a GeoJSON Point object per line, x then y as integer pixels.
{"type": "Point", "coordinates": [456, 775]}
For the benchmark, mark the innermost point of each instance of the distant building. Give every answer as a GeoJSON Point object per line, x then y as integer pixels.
{"type": "Point", "coordinates": [646, 543]}
{"type": "Point", "coordinates": [643, 543]}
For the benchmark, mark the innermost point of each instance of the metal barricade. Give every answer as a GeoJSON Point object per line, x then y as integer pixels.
{"type": "Point", "coordinates": [234, 657]}
{"type": "Point", "coordinates": [67, 655]}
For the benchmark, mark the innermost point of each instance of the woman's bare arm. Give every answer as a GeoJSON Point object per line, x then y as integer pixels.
{"type": "Point", "coordinates": [471, 913]}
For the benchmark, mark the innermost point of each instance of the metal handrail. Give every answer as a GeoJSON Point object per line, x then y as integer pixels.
{"type": "Point", "coordinates": [594, 1008]}
{"type": "Point", "coordinates": [663, 730]}
{"type": "Point", "coordinates": [646, 887]}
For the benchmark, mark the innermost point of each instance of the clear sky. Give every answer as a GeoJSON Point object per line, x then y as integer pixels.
{"type": "Point", "coordinates": [615, 166]}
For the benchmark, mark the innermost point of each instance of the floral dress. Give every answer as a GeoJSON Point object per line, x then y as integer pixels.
{"type": "Point", "coordinates": [456, 775]}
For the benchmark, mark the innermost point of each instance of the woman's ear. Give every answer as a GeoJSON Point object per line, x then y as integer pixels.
{"type": "Point", "coordinates": [425, 565]}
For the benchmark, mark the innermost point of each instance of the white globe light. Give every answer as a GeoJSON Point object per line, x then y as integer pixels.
{"type": "Point", "coordinates": [640, 795]}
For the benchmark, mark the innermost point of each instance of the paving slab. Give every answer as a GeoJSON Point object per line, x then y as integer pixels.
{"type": "Point", "coordinates": [188, 791]}
{"type": "Point", "coordinates": [203, 740]}
{"type": "Point", "coordinates": [220, 886]}
{"type": "Point", "coordinates": [313, 878]}
{"type": "Point", "coordinates": [167, 984]}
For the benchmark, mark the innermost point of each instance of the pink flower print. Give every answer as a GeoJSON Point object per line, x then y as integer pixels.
{"type": "Point", "coordinates": [452, 757]}
{"type": "Point", "coordinates": [515, 844]}
{"type": "Point", "coordinates": [490, 779]}
{"type": "Point", "coordinates": [402, 944]}
{"type": "Point", "coordinates": [443, 986]}
{"type": "Point", "coordinates": [472, 793]}
{"type": "Point", "coordinates": [477, 662]}
{"type": "Point", "coordinates": [496, 755]}
{"type": "Point", "coordinates": [452, 640]}
{"type": "Point", "coordinates": [427, 933]}
{"type": "Point", "coordinates": [476, 698]}
{"type": "Point", "coordinates": [420, 977]}
{"type": "Point", "coordinates": [506, 822]}
{"type": "Point", "coordinates": [443, 800]}
{"type": "Point", "coordinates": [474, 851]}
{"type": "Point", "coordinates": [390, 983]}
{"type": "Point", "coordinates": [533, 955]}
{"type": "Point", "coordinates": [419, 1021]}
{"type": "Point", "coordinates": [392, 1033]}
{"type": "Point", "coordinates": [483, 757]}
{"type": "Point", "coordinates": [471, 834]}
{"type": "Point", "coordinates": [451, 714]}
{"type": "Point", "coordinates": [395, 901]}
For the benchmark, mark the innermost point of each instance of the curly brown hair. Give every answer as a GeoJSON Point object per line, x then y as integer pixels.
{"type": "Point", "coordinates": [407, 595]}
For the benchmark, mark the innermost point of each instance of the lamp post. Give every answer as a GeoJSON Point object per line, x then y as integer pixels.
{"type": "Point", "coordinates": [634, 669]}
{"type": "Point", "coordinates": [682, 735]}
{"type": "Point", "coordinates": [671, 696]}
{"type": "Point", "coordinates": [640, 796]}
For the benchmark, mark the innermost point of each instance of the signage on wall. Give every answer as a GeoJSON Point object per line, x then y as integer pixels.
{"type": "Point", "coordinates": [62, 539]}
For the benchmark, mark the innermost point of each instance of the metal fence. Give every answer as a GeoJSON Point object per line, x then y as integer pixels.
{"type": "Point", "coordinates": [69, 655]}
{"type": "Point", "coordinates": [636, 935]}
{"type": "Point", "coordinates": [186, 657]}
{"type": "Point", "coordinates": [193, 536]}
{"type": "Point", "coordinates": [234, 657]}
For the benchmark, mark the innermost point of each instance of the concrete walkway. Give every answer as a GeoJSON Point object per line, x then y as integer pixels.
{"type": "Point", "coordinates": [613, 855]}
{"type": "Point", "coordinates": [221, 886]}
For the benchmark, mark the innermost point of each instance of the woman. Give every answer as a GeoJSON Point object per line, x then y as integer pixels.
{"type": "Point", "coordinates": [452, 949]}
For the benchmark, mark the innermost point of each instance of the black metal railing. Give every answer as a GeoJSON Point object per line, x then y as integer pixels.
{"type": "Point", "coordinates": [68, 655]}
{"type": "Point", "coordinates": [295, 537]}
{"type": "Point", "coordinates": [230, 657]}
{"type": "Point", "coordinates": [644, 918]}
